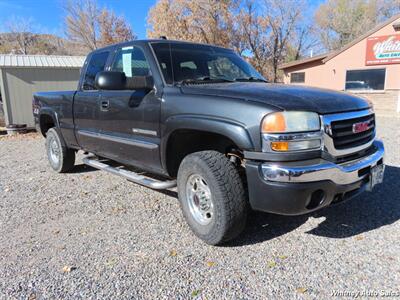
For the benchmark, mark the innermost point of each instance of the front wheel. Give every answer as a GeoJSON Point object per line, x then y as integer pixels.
{"type": "Point", "coordinates": [61, 158]}
{"type": "Point", "coordinates": [212, 196]}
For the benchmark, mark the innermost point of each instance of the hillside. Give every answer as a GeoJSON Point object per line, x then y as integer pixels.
{"type": "Point", "coordinates": [10, 43]}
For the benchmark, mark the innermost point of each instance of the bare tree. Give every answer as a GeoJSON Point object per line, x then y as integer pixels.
{"type": "Point", "coordinates": [93, 27]}
{"type": "Point", "coordinates": [284, 18]}
{"type": "Point", "coordinates": [304, 39]}
{"type": "Point", "coordinates": [20, 30]}
{"type": "Point", "coordinates": [252, 35]}
{"type": "Point", "coordinates": [341, 21]}
{"type": "Point", "coordinates": [81, 22]}
{"type": "Point", "coordinates": [274, 32]}
{"type": "Point", "coordinates": [387, 8]}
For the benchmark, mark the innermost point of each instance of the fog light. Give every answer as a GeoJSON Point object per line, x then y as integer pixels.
{"type": "Point", "coordinates": [317, 198]}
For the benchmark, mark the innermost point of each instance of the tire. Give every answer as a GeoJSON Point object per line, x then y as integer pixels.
{"type": "Point", "coordinates": [61, 158]}
{"type": "Point", "coordinates": [212, 196]}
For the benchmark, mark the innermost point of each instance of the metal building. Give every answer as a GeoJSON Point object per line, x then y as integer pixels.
{"type": "Point", "coordinates": [23, 75]}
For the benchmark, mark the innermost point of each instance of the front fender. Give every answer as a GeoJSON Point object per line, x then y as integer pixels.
{"type": "Point", "coordinates": [234, 131]}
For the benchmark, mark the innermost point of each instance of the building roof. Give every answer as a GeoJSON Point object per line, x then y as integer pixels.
{"type": "Point", "coordinates": [41, 61]}
{"type": "Point", "coordinates": [303, 61]}
{"type": "Point", "coordinates": [328, 56]}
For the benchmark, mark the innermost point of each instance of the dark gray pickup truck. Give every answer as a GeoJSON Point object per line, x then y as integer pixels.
{"type": "Point", "coordinates": [199, 117]}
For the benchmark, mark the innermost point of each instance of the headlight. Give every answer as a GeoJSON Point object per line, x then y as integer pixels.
{"type": "Point", "coordinates": [290, 121]}
{"type": "Point", "coordinates": [291, 131]}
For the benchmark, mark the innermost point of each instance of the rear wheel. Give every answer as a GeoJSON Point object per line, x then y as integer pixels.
{"type": "Point", "coordinates": [61, 158]}
{"type": "Point", "coordinates": [212, 196]}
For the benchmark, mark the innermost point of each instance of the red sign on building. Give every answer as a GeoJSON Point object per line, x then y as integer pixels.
{"type": "Point", "coordinates": [383, 50]}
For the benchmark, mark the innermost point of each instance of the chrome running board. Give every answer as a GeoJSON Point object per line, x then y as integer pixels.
{"type": "Point", "coordinates": [131, 176]}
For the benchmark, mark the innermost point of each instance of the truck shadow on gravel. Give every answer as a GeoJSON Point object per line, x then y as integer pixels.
{"type": "Point", "coordinates": [364, 213]}
{"type": "Point", "coordinates": [82, 168]}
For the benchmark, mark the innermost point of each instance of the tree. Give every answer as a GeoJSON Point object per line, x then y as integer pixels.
{"type": "Point", "coordinates": [81, 22]}
{"type": "Point", "coordinates": [273, 32]}
{"type": "Point", "coordinates": [341, 21]}
{"type": "Point", "coordinates": [205, 21]}
{"type": "Point", "coordinates": [388, 8]}
{"type": "Point", "coordinates": [284, 20]}
{"type": "Point", "coordinates": [263, 31]}
{"type": "Point", "coordinates": [113, 29]}
{"type": "Point", "coordinates": [252, 37]}
{"type": "Point", "coordinates": [304, 39]}
{"type": "Point", "coordinates": [93, 27]}
{"type": "Point", "coordinates": [20, 30]}
{"type": "Point", "coordinates": [5, 46]}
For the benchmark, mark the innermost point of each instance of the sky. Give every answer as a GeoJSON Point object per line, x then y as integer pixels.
{"type": "Point", "coordinates": [49, 15]}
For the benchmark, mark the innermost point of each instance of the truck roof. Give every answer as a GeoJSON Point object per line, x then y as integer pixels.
{"type": "Point", "coordinates": [148, 41]}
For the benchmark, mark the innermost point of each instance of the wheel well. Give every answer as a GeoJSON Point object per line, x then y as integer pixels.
{"type": "Point", "coordinates": [183, 142]}
{"type": "Point", "coordinates": [46, 122]}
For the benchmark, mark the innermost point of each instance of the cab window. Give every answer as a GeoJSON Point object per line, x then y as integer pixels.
{"type": "Point", "coordinates": [224, 67]}
{"type": "Point", "coordinates": [96, 64]}
{"type": "Point", "coordinates": [131, 61]}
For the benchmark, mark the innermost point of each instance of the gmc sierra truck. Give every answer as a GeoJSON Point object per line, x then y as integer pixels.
{"type": "Point", "coordinates": [201, 118]}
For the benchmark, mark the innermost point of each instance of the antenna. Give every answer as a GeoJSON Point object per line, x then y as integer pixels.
{"type": "Point", "coordinates": [163, 37]}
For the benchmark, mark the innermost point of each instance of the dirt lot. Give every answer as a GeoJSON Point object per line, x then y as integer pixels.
{"type": "Point", "coordinates": [89, 234]}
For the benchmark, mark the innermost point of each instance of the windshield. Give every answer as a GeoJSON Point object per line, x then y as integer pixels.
{"type": "Point", "coordinates": [186, 63]}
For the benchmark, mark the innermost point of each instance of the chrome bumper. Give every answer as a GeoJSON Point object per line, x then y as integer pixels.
{"type": "Point", "coordinates": [318, 170]}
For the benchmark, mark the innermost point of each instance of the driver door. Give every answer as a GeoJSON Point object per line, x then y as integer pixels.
{"type": "Point", "coordinates": [129, 119]}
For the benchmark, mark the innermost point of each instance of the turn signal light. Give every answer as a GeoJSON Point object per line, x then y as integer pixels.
{"type": "Point", "coordinates": [280, 146]}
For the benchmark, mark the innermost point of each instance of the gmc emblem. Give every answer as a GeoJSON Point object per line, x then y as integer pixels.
{"type": "Point", "coordinates": [360, 127]}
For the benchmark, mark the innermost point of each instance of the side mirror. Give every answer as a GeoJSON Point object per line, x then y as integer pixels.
{"type": "Point", "coordinates": [140, 83]}
{"type": "Point", "coordinates": [110, 80]}
{"type": "Point", "coordinates": [113, 80]}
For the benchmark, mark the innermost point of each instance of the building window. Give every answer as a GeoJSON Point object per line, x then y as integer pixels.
{"type": "Point", "coordinates": [297, 77]}
{"type": "Point", "coordinates": [365, 80]}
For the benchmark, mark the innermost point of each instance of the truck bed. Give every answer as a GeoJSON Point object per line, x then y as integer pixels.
{"type": "Point", "coordinates": [59, 106]}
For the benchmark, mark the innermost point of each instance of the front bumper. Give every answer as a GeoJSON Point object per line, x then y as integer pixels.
{"type": "Point", "coordinates": [299, 187]}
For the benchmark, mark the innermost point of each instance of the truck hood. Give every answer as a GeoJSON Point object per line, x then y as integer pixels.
{"type": "Point", "coordinates": [282, 97]}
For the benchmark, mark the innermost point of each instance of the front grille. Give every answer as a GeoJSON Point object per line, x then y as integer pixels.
{"type": "Point", "coordinates": [344, 137]}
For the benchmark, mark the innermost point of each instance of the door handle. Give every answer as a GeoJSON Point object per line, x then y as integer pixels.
{"type": "Point", "coordinates": [105, 105]}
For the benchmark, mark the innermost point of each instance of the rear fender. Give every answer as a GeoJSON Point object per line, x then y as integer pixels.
{"type": "Point", "coordinates": [51, 113]}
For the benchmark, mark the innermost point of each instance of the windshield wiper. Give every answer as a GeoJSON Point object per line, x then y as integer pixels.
{"type": "Point", "coordinates": [251, 78]}
{"type": "Point", "coordinates": [203, 80]}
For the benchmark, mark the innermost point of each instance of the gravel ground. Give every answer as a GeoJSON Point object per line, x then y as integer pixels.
{"type": "Point", "coordinates": [88, 234]}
